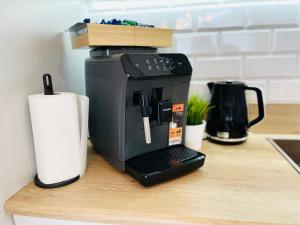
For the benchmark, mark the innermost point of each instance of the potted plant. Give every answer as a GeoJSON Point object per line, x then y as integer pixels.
{"type": "Point", "coordinates": [196, 112]}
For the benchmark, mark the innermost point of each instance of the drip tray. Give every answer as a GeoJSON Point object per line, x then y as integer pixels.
{"type": "Point", "coordinates": [290, 149]}
{"type": "Point", "coordinates": [163, 164]}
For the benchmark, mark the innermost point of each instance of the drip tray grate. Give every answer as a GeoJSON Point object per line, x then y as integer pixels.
{"type": "Point", "coordinates": [164, 164]}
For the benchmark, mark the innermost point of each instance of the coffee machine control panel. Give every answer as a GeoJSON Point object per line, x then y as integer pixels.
{"type": "Point", "coordinates": [141, 66]}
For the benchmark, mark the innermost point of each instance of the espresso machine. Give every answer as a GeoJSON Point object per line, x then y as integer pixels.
{"type": "Point", "coordinates": [138, 101]}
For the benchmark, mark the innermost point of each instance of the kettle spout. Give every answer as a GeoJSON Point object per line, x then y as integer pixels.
{"type": "Point", "coordinates": [210, 86]}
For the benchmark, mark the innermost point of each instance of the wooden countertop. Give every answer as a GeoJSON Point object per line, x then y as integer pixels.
{"type": "Point", "coordinates": [250, 183]}
{"type": "Point", "coordinates": [279, 119]}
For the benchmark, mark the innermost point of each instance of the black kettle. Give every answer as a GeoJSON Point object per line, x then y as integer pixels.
{"type": "Point", "coordinates": [227, 120]}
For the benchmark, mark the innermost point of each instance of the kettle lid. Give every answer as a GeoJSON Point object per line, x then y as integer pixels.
{"type": "Point", "coordinates": [229, 83]}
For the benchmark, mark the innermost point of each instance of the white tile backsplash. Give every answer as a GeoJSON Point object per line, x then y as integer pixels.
{"type": "Point", "coordinates": [197, 43]}
{"type": "Point", "coordinates": [192, 62]}
{"type": "Point", "coordinates": [286, 40]}
{"type": "Point", "coordinates": [284, 91]}
{"type": "Point", "coordinates": [199, 88]}
{"type": "Point", "coordinates": [156, 18]}
{"type": "Point", "coordinates": [268, 14]}
{"type": "Point", "coordinates": [182, 19]}
{"type": "Point", "coordinates": [220, 16]}
{"type": "Point", "coordinates": [298, 67]}
{"type": "Point", "coordinates": [179, 19]}
{"type": "Point", "coordinates": [245, 41]}
{"type": "Point", "coordinates": [251, 95]}
{"type": "Point", "coordinates": [225, 67]}
{"type": "Point", "coordinates": [270, 66]}
{"type": "Point", "coordinates": [257, 41]}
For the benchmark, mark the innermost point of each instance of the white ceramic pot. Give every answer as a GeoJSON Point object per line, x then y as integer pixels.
{"type": "Point", "coordinates": [194, 135]}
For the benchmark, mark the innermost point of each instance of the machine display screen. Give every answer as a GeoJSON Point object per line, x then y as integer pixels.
{"type": "Point", "coordinates": [151, 65]}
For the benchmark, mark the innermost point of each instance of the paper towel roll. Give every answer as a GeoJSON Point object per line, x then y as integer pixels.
{"type": "Point", "coordinates": [58, 128]}
{"type": "Point", "coordinates": [83, 115]}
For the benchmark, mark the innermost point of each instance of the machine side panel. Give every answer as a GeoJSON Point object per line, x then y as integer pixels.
{"type": "Point", "coordinates": [106, 85]}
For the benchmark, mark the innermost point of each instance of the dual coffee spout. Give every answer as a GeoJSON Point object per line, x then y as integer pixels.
{"type": "Point", "coordinates": [159, 110]}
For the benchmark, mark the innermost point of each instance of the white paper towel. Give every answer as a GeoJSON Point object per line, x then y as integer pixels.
{"type": "Point", "coordinates": [59, 124]}
{"type": "Point", "coordinates": [83, 115]}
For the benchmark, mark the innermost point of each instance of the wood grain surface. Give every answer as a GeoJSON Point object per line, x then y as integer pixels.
{"type": "Point", "coordinates": [280, 119]}
{"type": "Point", "coordinates": [118, 35]}
{"type": "Point", "coordinates": [249, 183]}
{"type": "Point", "coordinates": [153, 37]}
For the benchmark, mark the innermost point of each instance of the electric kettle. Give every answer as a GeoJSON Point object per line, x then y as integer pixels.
{"type": "Point", "coordinates": [227, 121]}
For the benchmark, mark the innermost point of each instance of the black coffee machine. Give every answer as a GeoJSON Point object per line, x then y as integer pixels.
{"type": "Point", "coordinates": [138, 102]}
{"type": "Point", "coordinates": [227, 120]}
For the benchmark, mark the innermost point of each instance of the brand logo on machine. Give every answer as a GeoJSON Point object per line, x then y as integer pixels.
{"type": "Point", "coordinates": [166, 109]}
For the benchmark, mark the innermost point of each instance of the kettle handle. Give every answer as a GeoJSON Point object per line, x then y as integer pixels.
{"type": "Point", "coordinates": [261, 109]}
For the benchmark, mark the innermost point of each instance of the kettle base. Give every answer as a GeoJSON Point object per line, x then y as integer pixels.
{"type": "Point", "coordinates": [227, 140]}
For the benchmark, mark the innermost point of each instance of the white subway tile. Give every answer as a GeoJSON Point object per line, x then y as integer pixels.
{"type": "Point", "coordinates": [195, 43]}
{"type": "Point", "coordinates": [158, 20]}
{"type": "Point", "coordinates": [251, 95]}
{"type": "Point", "coordinates": [182, 19]}
{"type": "Point", "coordinates": [199, 88]}
{"type": "Point", "coordinates": [286, 40]}
{"type": "Point", "coordinates": [298, 67]}
{"type": "Point", "coordinates": [136, 15]}
{"type": "Point", "coordinates": [179, 19]}
{"type": "Point", "coordinates": [229, 67]}
{"type": "Point", "coordinates": [272, 14]}
{"type": "Point", "coordinates": [192, 62]}
{"type": "Point", "coordinates": [284, 91]}
{"type": "Point", "coordinates": [108, 6]}
{"type": "Point", "coordinates": [245, 41]}
{"type": "Point", "coordinates": [165, 50]}
{"type": "Point", "coordinates": [269, 66]}
{"type": "Point", "coordinates": [220, 16]}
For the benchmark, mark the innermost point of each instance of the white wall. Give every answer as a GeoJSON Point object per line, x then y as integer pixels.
{"type": "Point", "coordinates": [254, 41]}
{"type": "Point", "coordinates": [30, 45]}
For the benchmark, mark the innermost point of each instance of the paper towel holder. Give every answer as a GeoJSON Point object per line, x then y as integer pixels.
{"type": "Point", "coordinates": [48, 87]}
{"type": "Point", "coordinates": [40, 184]}
{"type": "Point", "coordinates": [48, 90]}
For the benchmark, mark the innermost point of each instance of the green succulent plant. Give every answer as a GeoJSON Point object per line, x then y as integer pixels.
{"type": "Point", "coordinates": [196, 110]}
